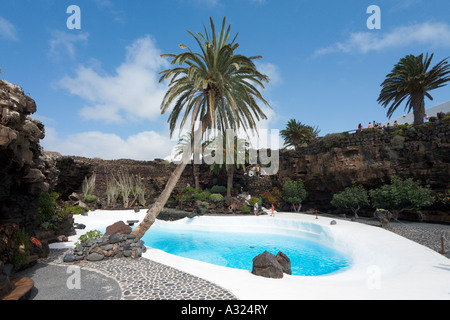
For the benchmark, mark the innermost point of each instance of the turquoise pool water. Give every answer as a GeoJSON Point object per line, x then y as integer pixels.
{"type": "Point", "coordinates": [237, 250]}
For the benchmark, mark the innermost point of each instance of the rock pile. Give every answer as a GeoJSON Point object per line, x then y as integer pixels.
{"type": "Point", "coordinates": [116, 245]}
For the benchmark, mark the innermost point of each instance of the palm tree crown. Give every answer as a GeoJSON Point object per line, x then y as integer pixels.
{"type": "Point", "coordinates": [297, 134]}
{"type": "Point", "coordinates": [215, 86]}
{"type": "Point", "coordinates": [411, 80]}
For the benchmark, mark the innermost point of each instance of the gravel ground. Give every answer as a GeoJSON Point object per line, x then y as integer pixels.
{"type": "Point", "coordinates": [426, 234]}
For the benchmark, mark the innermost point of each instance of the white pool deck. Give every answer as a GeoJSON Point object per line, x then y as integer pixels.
{"type": "Point", "coordinates": [385, 265]}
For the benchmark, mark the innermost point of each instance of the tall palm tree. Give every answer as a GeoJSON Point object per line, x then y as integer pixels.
{"type": "Point", "coordinates": [216, 87]}
{"type": "Point", "coordinates": [297, 134]}
{"type": "Point", "coordinates": [410, 79]}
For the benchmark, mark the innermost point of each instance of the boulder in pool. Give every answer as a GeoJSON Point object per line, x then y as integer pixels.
{"type": "Point", "coordinates": [284, 262]}
{"type": "Point", "coordinates": [266, 265]}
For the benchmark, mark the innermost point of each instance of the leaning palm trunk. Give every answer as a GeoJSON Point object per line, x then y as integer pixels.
{"type": "Point", "coordinates": [157, 207]}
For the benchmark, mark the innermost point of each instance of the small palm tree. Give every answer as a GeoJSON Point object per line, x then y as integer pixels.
{"type": "Point", "coordinates": [411, 80]}
{"type": "Point", "coordinates": [297, 134]}
{"type": "Point", "coordinates": [216, 87]}
{"type": "Point", "coordinates": [236, 149]}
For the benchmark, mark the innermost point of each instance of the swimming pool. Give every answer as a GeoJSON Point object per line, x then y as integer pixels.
{"type": "Point", "coordinates": [235, 248]}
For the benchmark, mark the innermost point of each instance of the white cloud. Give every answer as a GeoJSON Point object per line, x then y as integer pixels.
{"type": "Point", "coordinates": [271, 70]}
{"type": "Point", "coordinates": [146, 145]}
{"type": "Point", "coordinates": [132, 93]}
{"type": "Point", "coordinates": [63, 44]}
{"type": "Point", "coordinates": [8, 30]}
{"type": "Point", "coordinates": [429, 33]}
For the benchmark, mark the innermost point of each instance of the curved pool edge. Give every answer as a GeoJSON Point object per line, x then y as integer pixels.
{"type": "Point", "coordinates": [385, 265]}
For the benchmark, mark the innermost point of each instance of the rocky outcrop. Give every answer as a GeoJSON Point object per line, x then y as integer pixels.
{"type": "Point", "coordinates": [370, 158]}
{"type": "Point", "coordinates": [21, 178]}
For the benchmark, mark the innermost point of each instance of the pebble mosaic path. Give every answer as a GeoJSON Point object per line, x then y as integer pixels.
{"type": "Point", "coordinates": [144, 279]}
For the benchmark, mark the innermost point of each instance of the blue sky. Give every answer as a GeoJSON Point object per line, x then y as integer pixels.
{"type": "Point", "coordinates": [97, 89]}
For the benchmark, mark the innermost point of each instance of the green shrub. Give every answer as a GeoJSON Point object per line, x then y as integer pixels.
{"type": "Point", "coordinates": [294, 193]}
{"type": "Point", "coordinates": [215, 197]}
{"type": "Point", "coordinates": [185, 198]}
{"type": "Point", "coordinates": [75, 210]}
{"type": "Point", "coordinates": [246, 209]}
{"type": "Point", "coordinates": [46, 208]}
{"type": "Point", "coordinates": [402, 195]}
{"type": "Point", "coordinates": [202, 196]}
{"type": "Point", "coordinates": [253, 200]}
{"type": "Point", "coordinates": [219, 189]}
{"type": "Point", "coordinates": [90, 198]}
{"type": "Point", "coordinates": [352, 197]}
{"type": "Point", "coordinates": [206, 205]}
{"type": "Point", "coordinates": [88, 236]}
{"type": "Point", "coordinates": [333, 139]}
{"type": "Point", "coordinates": [188, 189]}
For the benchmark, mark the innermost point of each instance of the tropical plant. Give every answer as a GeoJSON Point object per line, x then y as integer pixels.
{"type": "Point", "coordinates": [216, 197]}
{"type": "Point", "coordinates": [411, 80]}
{"type": "Point", "coordinates": [89, 236]}
{"type": "Point", "coordinates": [298, 135]}
{"type": "Point", "coordinates": [401, 195]}
{"type": "Point", "coordinates": [235, 150]}
{"type": "Point", "coordinates": [294, 192]}
{"type": "Point", "coordinates": [215, 87]}
{"type": "Point", "coordinates": [352, 198]}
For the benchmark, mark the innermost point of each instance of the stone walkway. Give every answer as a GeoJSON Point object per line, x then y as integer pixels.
{"type": "Point", "coordinates": [144, 279]}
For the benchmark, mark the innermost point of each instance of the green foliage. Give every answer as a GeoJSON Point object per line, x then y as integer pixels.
{"type": "Point", "coordinates": [410, 81]}
{"type": "Point", "coordinates": [402, 195]}
{"type": "Point", "coordinates": [88, 185]}
{"type": "Point", "coordinates": [352, 197]}
{"type": "Point", "coordinates": [253, 200]}
{"type": "Point", "coordinates": [46, 207]}
{"type": "Point", "coordinates": [216, 80]}
{"type": "Point", "coordinates": [22, 251]}
{"type": "Point", "coordinates": [219, 189]}
{"type": "Point", "coordinates": [185, 198]}
{"type": "Point", "coordinates": [333, 139]}
{"type": "Point", "coordinates": [88, 236]}
{"type": "Point", "coordinates": [216, 197]}
{"type": "Point", "coordinates": [75, 210]}
{"type": "Point", "coordinates": [188, 189]}
{"type": "Point", "coordinates": [246, 209]}
{"type": "Point", "coordinates": [90, 198]}
{"type": "Point", "coordinates": [298, 135]}
{"type": "Point", "coordinates": [202, 196]}
{"type": "Point", "coordinates": [294, 191]}
{"type": "Point", "coordinates": [206, 205]}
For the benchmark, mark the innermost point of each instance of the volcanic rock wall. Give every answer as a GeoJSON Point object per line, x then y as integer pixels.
{"type": "Point", "coordinates": [21, 178]}
{"type": "Point", "coordinates": [371, 158]}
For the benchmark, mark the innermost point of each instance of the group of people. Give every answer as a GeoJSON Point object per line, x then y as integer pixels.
{"type": "Point", "coordinates": [377, 125]}
{"type": "Point", "coordinates": [259, 207]}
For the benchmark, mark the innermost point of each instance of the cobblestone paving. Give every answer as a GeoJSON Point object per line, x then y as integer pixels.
{"type": "Point", "coordinates": [143, 279]}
